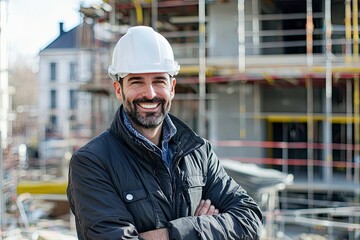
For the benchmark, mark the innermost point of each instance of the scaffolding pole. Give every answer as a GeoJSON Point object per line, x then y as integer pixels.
{"type": "Point", "coordinates": [309, 33]}
{"type": "Point", "coordinates": [310, 140]}
{"type": "Point", "coordinates": [349, 105]}
{"type": "Point", "coordinates": [310, 102]}
{"type": "Point", "coordinates": [202, 70]}
{"type": "Point", "coordinates": [328, 97]}
{"type": "Point", "coordinates": [356, 129]}
{"type": "Point", "coordinates": [356, 31]}
{"type": "Point", "coordinates": [356, 105]}
{"type": "Point", "coordinates": [242, 110]}
{"type": "Point", "coordinates": [348, 31]}
{"type": "Point", "coordinates": [241, 67]}
{"type": "Point", "coordinates": [255, 26]}
{"type": "Point", "coordinates": [241, 35]}
{"type": "Point", "coordinates": [349, 129]}
{"type": "Point", "coordinates": [154, 14]}
{"type": "Point", "coordinates": [139, 12]}
{"type": "Point", "coordinates": [328, 106]}
{"type": "Point", "coordinates": [356, 95]}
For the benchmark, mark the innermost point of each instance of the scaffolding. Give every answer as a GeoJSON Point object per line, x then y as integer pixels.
{"type": "Point", "coordinates": [285, 95]}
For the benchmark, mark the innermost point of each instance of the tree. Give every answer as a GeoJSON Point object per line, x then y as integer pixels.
{"type": "Point", "coordinates": [23, 79]}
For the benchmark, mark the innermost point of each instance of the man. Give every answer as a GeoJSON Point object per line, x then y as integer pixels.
{"type": "Point", "coordinates": [149, 176]}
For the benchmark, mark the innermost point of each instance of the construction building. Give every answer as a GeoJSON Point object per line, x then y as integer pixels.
{"type": "Point", "coordinates": [270, 82]}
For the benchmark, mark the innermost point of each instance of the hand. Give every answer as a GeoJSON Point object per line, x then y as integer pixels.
{"type": "Point", "coordinates": [205, 208]}
{"type": "Point", "coordinates": [157, 234]}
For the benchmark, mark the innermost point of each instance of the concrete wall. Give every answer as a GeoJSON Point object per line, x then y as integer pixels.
{"type": "Point", "coordinates": [223, 29]}
{"type": "Point", "coordinates": [294, 100]}
{"type": "Point", "coordinates": [227, 123]}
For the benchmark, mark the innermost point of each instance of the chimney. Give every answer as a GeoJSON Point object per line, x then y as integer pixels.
{"type": "Point", "coordinates": [61, 28]}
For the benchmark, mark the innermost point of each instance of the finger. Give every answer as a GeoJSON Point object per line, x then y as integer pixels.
{"type": "Point", "coordinates": [201, 204]}
{"type": "Point", "coordinates": [211, 210]}
{"type": "Point", "coordinates": [216, 211]}
{"type": "Point", "coordinates": [205, 207]}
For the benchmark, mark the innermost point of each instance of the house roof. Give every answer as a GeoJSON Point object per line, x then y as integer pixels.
{"type": "Point", "coordinates": [79, 36]}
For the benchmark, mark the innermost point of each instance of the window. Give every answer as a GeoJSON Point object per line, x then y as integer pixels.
{"type": "Point", "coordinates": [53, 99]}
{"type": "Point", "coordinates": [52, 71]}
{"type": "Point", "coordinates": [72, 95]}
{"type": "Point", "coordinates": [53, 122]}
{"type": "Point", "coordinates": [72, 71]}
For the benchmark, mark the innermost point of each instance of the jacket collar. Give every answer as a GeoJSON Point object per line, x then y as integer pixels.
{"type": "Point", "coordinates": [168, 129]}
{"type": "Point", "coordinates": [185, 138]}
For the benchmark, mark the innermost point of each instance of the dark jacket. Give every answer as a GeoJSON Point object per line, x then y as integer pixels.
{"type": "Point", "coordinates": [118, 188]}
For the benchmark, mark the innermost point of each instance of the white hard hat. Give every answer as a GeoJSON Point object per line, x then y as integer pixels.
{"type": "Point", "coordinates": [142, 50]}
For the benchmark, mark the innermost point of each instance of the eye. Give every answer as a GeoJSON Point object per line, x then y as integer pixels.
{"type": "Point", "coordinates": [160, 81]}
{"type": "Point", "coordinates": [136, 82]}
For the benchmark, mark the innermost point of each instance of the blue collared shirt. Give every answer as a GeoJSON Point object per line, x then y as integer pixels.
{"type": "Point", "coordinates": [168, 131]}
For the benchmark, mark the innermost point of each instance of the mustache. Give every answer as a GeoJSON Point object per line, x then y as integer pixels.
{"type": "Point", "coordinates": [145, 100]}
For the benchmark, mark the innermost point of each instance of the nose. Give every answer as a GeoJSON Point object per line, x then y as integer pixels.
{"type": "Point", "coordinates": [149, 91]}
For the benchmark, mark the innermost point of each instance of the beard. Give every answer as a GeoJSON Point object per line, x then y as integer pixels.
{"type": "Point", "coordinates": [146, 120]}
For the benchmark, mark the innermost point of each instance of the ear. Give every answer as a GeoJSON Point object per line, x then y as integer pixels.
{"type": "Point", "coordinates": [117, 90]}
{"type": "Point", "coordinates": [173, 83]}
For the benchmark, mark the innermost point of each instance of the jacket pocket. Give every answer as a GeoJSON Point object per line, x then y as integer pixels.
{"type": "Point", "coordinates": [139, 205]}
{"type": "Point", "coordinates": [134, 195]}
{"type": "Point", "coordinates": [194, 188]}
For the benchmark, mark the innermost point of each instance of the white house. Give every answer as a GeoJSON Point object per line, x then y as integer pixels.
{"type": "Point", "coordinates": [66, 65]}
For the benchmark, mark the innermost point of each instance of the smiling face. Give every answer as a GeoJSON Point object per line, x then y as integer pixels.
{"type": "Point", "coordinates": [146, 98]}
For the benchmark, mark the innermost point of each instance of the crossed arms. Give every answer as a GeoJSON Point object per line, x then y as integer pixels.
{"type": "Point", "coordinates": [204, 208]}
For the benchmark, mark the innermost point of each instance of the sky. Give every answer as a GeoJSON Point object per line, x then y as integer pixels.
{"type": "Point", "coordinates": [33, 24]}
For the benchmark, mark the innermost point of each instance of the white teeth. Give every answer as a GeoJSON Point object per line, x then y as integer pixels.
{"type": "Point", "coordinates": [148, 105]}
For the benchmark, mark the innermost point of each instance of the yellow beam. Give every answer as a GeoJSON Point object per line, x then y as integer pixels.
{"type": "Point", "coordinates": [336, 69]}
{"type": "Point", "coordinates": [139, 12]}
{"type": "Point", "coordinates": [42, 187]}
{"type": "Point", "coordinates": [348, 30]}
{"type": "Point", "coordinates": [195, 70]}
{"type": "Point", "coordinates": [355, 31]}
{"type": "Point", "coordinates": [304, 118]}
{"type": "Point", "coordinates": [269, 78]}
